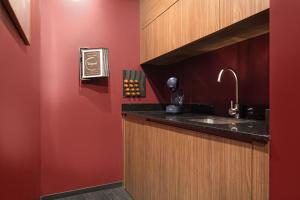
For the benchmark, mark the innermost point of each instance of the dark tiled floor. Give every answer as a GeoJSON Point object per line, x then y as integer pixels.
{"type": "Point", "coordinates": [108, 194]}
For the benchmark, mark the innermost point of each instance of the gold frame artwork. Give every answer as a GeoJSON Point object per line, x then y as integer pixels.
{"type": "Point", "coordinates": [20, 13]}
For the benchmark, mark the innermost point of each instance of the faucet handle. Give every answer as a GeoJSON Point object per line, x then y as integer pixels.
{"type": "Point", "coordinates": [233, 109]}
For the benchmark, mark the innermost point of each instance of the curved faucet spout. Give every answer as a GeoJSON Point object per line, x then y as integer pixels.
{"type": "Point", "coordinates": [220, 75]}
{"type": "Point", "coordinates": [236, 81]}
{"type": "Point", "coordinates": [235, 109]}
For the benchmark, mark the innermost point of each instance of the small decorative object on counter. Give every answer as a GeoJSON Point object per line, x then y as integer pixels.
{"type": "Point", "coordinates": [177, 97]}
{"type": "Point", "coordinates": [134, 84]}
{"type": "Point", "coordinates": [94, 63]}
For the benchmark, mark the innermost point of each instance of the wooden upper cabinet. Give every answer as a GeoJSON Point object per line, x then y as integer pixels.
{"type": "Point", "coordinates": [162, 35]}
{"type": "Point", "coordinates": [232, 11]}
{"type": "Point", "coordinates": [199, 18]}
{"type": "Point", "coordinates": [151, 9]}
{"type": "Point", "coordinates": [168, 26]}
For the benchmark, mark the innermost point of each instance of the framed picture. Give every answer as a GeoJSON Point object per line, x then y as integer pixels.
{"type": "Point", "coordinates": [94, 63]}
{"type": "Point", "coordinates": [20, 13]}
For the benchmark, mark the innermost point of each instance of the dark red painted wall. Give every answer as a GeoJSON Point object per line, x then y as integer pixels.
{"type": "Point", "coordinates": [198, 75]}
{"type": "Point", "coordinates": [81, 123]}
{"type": "Point", "coordinates": [285, 97]}
{"type": "Point", "coordinates": [19, 111]}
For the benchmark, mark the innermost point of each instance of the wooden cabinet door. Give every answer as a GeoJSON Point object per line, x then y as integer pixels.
{"type": "Point", "coordinates": [232, 11]}
{"type": "Point", "coordinates": [199, 18]}
{"type": "Point", "coordinates": [134, 158]}
{"type": "Point", "coordinates": [231, 169]}
{"type": "Point", "coordinates": [166, 163]}
{"type": "Point", "coordinates": [162, 35]}
{"type": "Point", "coordinates": [151, 9]}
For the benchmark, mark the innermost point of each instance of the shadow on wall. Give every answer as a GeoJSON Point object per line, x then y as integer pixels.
{"type": "Point", "coordinates": [157, 77]}
{"type": "Point", "coordinates": [99, 85]}
{"type": "Point", "coordinates": [94, 90]}
{"type": "Point", "coordinates": [198, 76]}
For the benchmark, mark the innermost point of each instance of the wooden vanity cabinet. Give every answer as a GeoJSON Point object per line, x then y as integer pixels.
{"type": "Point", "coordinates": [167, 163]}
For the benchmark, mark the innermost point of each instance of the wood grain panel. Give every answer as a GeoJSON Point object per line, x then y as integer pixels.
{"type": "Point", "coordinates": [162, 35]}
{"type": "Point", "coordinates": [147, 48]}
{"type": "Point", "coordinates": [260, 166]}
{"type": "Point", "coordinates": [199, 18]}
{"type": "Point", "coordinates": [232, 11]}
{"type": "Point", "coordinates": [162, 162]}
{"type": "Point", "coordinates": [134, 158]}
{"type": "Point", "coordinates": [248, 28]}
{"type": "Point", "coordinates": [151, 9]}
{"type": "Point", "coordinates": [231, 169]}
{"type": "Point", "coordinates": [193, 163]}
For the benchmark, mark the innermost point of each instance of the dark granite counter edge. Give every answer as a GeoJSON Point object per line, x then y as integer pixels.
{"type": "Point", "coordinates": [246, 137]}
{"type": "Point", "coordinates": [190, 108]}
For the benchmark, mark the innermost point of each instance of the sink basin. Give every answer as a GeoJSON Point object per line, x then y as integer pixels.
{"type": "Point", "coordinates": [218, 120]}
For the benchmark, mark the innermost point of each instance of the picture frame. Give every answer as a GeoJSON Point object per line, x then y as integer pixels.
{"type": "Point", "coordinates": [94, 63]}
{"type": "Point", "coordinates": [20, 13]}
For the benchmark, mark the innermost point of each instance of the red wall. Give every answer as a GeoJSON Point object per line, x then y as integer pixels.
{"type": "Point", "coordinates": [285, 97]}
{"type": "Point", "coordinates": [19, 111]}
{"type": "Point", "coordinates": [81, 123]}
{"type": "Point", "coordinates": [198, 76]}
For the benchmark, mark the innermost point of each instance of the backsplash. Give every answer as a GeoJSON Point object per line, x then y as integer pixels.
{"type": "Point", "coordinates": [198, 76]}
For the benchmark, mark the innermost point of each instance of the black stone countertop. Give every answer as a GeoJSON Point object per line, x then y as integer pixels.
{"type": "Point", "coordinates": [250, 130]}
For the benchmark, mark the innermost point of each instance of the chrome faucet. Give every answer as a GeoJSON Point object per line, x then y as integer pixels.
{"type": "Point", "coordinates": [234, 110]}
